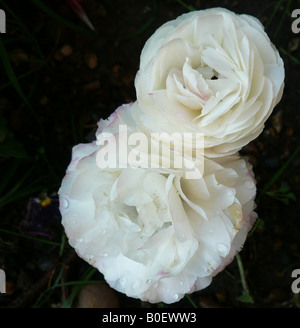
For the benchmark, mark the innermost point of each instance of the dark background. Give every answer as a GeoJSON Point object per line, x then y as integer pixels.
{"type": "Point", "coordinates": [57, 79]}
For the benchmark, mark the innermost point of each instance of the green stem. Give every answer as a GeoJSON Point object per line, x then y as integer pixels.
{"type": "Point", "coordinates": [242, 273]}
{"type": "Point", "coordinates": [188, 297]}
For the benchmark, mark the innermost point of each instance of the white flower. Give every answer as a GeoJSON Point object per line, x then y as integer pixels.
{"type": "Point", "coordinates": [210, 71]}
{"type": "Point", "coordinates": [153, 234]}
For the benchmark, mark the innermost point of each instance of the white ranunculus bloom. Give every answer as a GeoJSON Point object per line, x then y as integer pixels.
{"type": "Point", "coordinates": [154, 234]}
{"type": "Point", "coordinates": [211, 71]}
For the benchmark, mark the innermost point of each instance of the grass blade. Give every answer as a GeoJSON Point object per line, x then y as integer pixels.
{"type": "Point", "coordinates": [39, 303]}
{"type": "Point", "coordinates": [62, 244]}
{"type": "Point", "coordinates": [23, 28]}
{"type": "Point", "coordinates": [283, 17]}
{"type": "Point", "coordinates": [188, 7]}
{"type": "Point", "coordinates": [194, 305]}
{"type": "Point", "coordinates": [11, 73]}
{"type": "Point", "coordinates": [278, 174]}
{"type": "Point", "coordinates": [144, 26]}
{"type": "Point", "coordinates": [277, 6]}
{"type": "Point", "coordinates": [41, 5]}
{"type": "Point", "coordinates": [9, 173]}
{"type": "Point", "coordinates": [68, 302]}
{"type": "Point", "coordinates": [40, 240]}
{"type": "Point", "coordinates": [292, 58]}
{"type": "Point", "coordinates": [23, 75]}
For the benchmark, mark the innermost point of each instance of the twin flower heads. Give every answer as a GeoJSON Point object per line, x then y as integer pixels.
{"type": "Point", "coordinates": [162, 201]}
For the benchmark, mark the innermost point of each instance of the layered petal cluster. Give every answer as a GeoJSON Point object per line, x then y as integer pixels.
{"type": "Point", "coordinates": [157, 213]}
{"type": "Point", "coordinates": [154, 234]}
{"type": "Point", "coordinates": [210, 71]}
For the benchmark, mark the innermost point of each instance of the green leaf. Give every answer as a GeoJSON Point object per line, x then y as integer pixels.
{"type": "Point", "coordinates": [260, 224]}
{"type": "Point", "coordinates": [278, 174]}
{"type": "Point", "coordinates": [284, 189]}
{"type": "Point", "coordinates": [296, 300]}
{"type": "Point", "coordinates": [284, 200]}
{"type": "Point", "coordinates": [11, 147]}
{"type": "Point", "coordinates": [283, 194]}
{"type": "Point", "coordinates": [291, 196]}
{"type": "Point", "coordinates": [161, 305]}
{"type": "Point", "coordinates": [245, 298]}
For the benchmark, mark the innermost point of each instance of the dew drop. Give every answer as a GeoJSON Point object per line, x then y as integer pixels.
{"type": "Point", "coordinates": [149, 281]}
{"type": "Point", "coordinates": [211, 231]}
{"type": "Point", "coordinates": [181, 283]}
{"type": "Point", "coordinates": [222, 249]}
{"type": "Point", "coordinates": [80, 240]}
{"type": "Point", "coordinates": [105, 254]}
{"type": "Point", "coordinates": [230, 191]}
{"type": "Point", "coordinates": [64, 202]}
{"type": "Point", "coordinates": [175, 297]}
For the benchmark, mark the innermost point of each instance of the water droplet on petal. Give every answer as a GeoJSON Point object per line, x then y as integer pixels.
{"type": "Point", "coordinates": [175, 297]}
{"type": "Point", "coordinates": [79, 240]}
{"type": "Point", "coordinates": [181, 283]}
{"type": "Point", "coordinates": [149, 281]}
{"type": "Point", "coordinates": [64, 202]}
{"type": "Point", "coordinates": [222, 249]}
{"type": "Point", "coordinates": [211, 230]}
{"type": "Point", "coordinates": [105, 254]}
{"type": "Point", "coordinates": [230, 191]}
